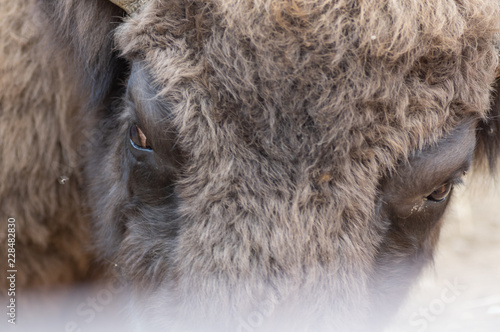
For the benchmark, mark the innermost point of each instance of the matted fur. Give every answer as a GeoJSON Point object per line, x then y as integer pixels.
{"type": "Point", "coordinates": [286, 117]}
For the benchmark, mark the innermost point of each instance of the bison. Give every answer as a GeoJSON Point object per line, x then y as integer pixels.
{"type": "Point", "coordinates": [219, 156]}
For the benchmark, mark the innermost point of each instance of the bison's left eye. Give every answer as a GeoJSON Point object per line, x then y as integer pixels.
{"type": "Point", "coordinates": [440, 193]}
{"type": "Point", "coordinates": [138, 139]}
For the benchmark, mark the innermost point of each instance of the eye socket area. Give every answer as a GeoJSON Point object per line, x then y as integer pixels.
{"type": "Point", "coordinates": [138, 139]}
{"type": "Point", "coordinates": [405, 198]}
{"type": "Point", "coordinates": [443, 191]}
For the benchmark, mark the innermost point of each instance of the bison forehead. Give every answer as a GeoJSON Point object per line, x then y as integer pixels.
{"type": "Point", "coordinates": [375, 79]}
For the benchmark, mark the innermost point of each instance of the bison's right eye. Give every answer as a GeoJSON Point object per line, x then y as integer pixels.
{"type": "Point", "coordinates": [138, 139]}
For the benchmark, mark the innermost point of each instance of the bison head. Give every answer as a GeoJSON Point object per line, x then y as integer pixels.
{"type": "Point", "coordinates": [290, 155]}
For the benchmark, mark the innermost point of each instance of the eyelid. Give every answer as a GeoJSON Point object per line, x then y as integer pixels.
{"type": "Point", "coordinates": [457, 178]}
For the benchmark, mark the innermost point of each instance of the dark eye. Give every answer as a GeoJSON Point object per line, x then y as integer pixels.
{"type": "Point", "coordinates": [138, 139]}
{"type": "Point", "coordinates": [440, 193]}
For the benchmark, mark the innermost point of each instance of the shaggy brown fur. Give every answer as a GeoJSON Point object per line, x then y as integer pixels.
{"type": "Point", "coordinates": [38, 129]}
{"type": "Point", "coordinates": [274, 125]}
